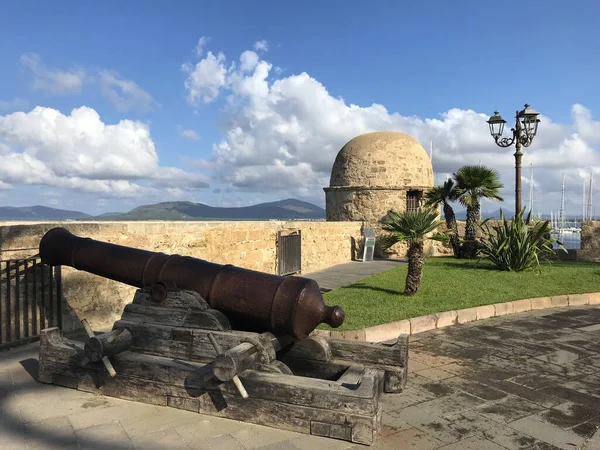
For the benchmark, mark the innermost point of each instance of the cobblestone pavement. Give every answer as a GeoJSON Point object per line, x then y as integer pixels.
{"type": "Point", "coordinates": [528, 381]}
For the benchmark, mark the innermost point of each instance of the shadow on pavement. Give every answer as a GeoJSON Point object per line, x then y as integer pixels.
{"type": "Point", "coordinates": [11, 423]}
{"type": "Point", "coordinates": [32, 367]}
{"type": "Point", "coordinates": [373, 288]}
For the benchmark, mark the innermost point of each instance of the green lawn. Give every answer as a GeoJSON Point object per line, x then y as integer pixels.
{"type": "Point", "coordinates": [450, 284]}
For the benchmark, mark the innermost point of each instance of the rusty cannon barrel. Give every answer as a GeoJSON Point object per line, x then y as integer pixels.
{"type": "Point", "coordinates": [251, 300]}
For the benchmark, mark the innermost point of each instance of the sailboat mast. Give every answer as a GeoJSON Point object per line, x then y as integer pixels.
{"type": "Point", "coordinates": [591, 192]}
{"type": "Point", "coordinates": [531, 189]}
{"type": "Point", "coordinates": [583, 218]}
{"type": "Point", "coordinates": [561, 218]}
{"type": "Point", "coordinates": [589, 204]}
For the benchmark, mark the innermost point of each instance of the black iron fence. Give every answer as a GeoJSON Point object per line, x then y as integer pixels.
{"type": "Point", "coordinates": [289, 252]}
{"type": "Point", "coordinates": [413, 204]}
{"type": "Point", "coordinates": [30, 299]}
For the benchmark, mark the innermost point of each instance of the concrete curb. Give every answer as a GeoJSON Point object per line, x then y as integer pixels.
{"type": "Point", "coordinates": [415, 325]}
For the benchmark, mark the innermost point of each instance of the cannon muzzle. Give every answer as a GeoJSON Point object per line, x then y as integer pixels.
{"type": "Point", "coordinates": [251, 300]}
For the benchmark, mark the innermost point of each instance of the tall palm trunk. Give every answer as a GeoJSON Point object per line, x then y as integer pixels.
{"type": "Point", "coordinates": [452, 226]}
{"type": "Point", "coordinates": [468, 250]}
{"type": "Point", "coordinates": [415, 268]}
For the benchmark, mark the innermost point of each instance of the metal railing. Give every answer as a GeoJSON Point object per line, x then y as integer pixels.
{"type": "Point", "coordinates": [413, 204]}
{"type": "Point", "coordinates": [30, 299]}
{"type": "Point", "coordinates": [289, 252]}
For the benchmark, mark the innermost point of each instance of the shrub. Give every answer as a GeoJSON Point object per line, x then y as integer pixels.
{"type": "Point", "coordinates": [517, 244]}
{"type": "Point", "coordinates": [412, 227]}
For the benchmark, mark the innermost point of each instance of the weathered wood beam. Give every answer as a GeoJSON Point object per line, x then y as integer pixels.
{"type": "Point", "coordinates": [373, 353]}
{"type": "Point", "coordinates": [108, 344]}
{"type": "Point", "coordinates": [104, 359]}
{"type": "Point", "coordinates": [172, 299]}
{"type": "Point", "coordinates": [184, 378]}
{"type": "Point", "coordinates": [261, 350]}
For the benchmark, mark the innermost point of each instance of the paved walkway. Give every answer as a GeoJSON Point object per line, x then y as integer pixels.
{"type": "Point", "coordinates": [529, 381]}
{"type": "Point", "coordinates": [344, 274]}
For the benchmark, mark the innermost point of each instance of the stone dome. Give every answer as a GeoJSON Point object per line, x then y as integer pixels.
{"type": "Point", "coordinates": [383, 159]}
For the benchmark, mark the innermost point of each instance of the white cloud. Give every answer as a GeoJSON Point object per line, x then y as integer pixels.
{"type": "Point", "coordinates": [52, 80]}
{"type": "Point", "coordinates": [284, 133]}
{"type": "Point", "coordinates": [14, 104]}
{"type": "Point", "coordinates": [248, 61]}
{"type": "Point", "coordinates": [124, 94]}
{"type": "Point", "coordinates": [201, 45]}
{"type": "Point", "coordinates": [588, 129]}
{"type": "Point", "coordinates": [80, 152]}
{"type": "Point", "coordinates": [261, 46]}
{"type": "Point", "coordinates": [205, 79]}
{"type": "Point", "coordinates": [188, 134]}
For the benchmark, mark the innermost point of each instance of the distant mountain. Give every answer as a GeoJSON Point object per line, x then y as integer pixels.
{"type": "Point", "coordinates": [282, 209]}
{"type": "Point", "coordinates": [111, 214]}
{"type": "Point", "coordinates": [39, 213]}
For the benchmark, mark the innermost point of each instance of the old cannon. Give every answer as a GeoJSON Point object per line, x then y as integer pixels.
{"type": "Point", "coordinates": [224, 341]}
{"type": "Point", "coordinates": [250, 299]}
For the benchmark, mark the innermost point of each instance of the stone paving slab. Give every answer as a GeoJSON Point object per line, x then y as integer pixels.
{"type": "Point", "coordinates": [343, 274]}
{"type": "Point", "coordinates": [530, 381]}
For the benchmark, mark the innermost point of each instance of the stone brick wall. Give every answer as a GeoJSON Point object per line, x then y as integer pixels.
{"type": "Point", "coordinates": [369, 204]}
{"type": "Point", "coordinates": [251, 245]}
{"type": "Point", "coordinates": [590, 241]}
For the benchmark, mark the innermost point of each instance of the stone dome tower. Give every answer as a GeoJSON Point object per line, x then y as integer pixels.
{"type": "Point", "coordinates": [376, 172]}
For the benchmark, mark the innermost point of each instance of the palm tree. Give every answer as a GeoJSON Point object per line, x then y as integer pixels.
{"type": "Point", "coordinates": [443, 195]}
{"type": "Point", "coordinates": [413, 227]}
{"type": "Point", "coordinates": [472, 184]}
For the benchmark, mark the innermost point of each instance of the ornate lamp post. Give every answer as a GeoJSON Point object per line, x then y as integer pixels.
{"type": "Point", "coordinates": [522, 134]}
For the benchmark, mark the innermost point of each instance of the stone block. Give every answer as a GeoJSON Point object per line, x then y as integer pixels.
{"type": "Point", "coordinates": [446, 319]}
{"type": "Point", "coordinates": [541, 303]}
{"type": "Point", "coordinates": [579, 299]}
{"type": "Point", "coordinates": [559, 301]}
{"type": "Point", "coordinates": [466, 315]}
{"type": "Point", "coordinates": [254, 257]}
{"type": "Point", "coordinates": [594, 298]}
{"type": "Point", "coordinates": [423, 323]}
{"type": "Point", "coordinates": [503, 309]}
{"type": "Point", "coordinates": [537, 427]}
{"type": "Point", "coordinates": [485, 312]}
{"type": "Point", "coordinates": [239, 236]}
{"type": "Point", "coordinates": [350, 335]}
{"type": "Point", "coordinates": [522, 305]}
{"type": "Point", "coordinates": [387, 331]}
{"type": "Point", "coordinates": [256, 235]}
{"type": "Point", "coordinates": [324, 333]}
{"type": "Point", "coordinates": [109, 435]}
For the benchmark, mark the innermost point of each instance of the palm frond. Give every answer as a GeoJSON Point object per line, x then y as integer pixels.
{"type": "Point", "coordinates": [411, 226]}
{"type": "Point", "coordinates": [441, 194]}
{"type": "Point", "coordinates": [474, 182]}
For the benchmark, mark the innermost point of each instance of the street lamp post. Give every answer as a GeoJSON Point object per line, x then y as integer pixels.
{"type": "Point", "coordinates": [526, 123]}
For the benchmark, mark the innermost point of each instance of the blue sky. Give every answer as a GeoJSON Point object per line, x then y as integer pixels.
{"type": "Point", "coordinates": [449, 61]}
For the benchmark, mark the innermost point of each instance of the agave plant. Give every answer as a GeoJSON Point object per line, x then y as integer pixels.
{"type": "Point", "coordinates": [413, 227]}
{"type": "Point", "coordinates": [517, 244]}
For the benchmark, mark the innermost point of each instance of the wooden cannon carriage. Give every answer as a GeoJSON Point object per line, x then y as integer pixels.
{"type": "Point", "coordinates": [175, 347]}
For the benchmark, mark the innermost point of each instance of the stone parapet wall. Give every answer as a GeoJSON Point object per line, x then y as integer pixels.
{"type": "Point", "coordinates": [251, 245]}
{"type": "Point", "coordinates": [590, 241]}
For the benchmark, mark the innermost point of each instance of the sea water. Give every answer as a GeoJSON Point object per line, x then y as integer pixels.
{"type": "Point", "coordinates": [570, 239]}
